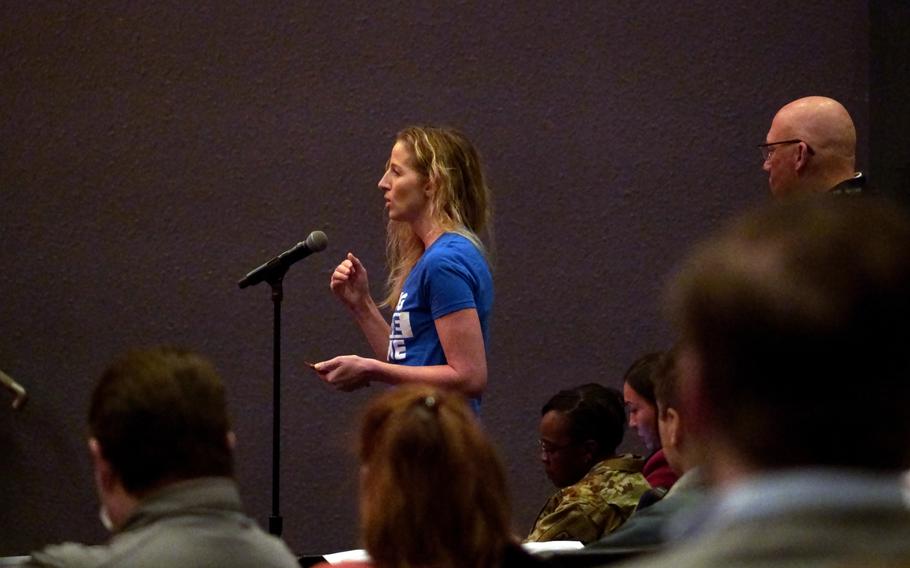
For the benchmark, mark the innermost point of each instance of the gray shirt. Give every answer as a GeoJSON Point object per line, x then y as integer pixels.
{"type": "Point", "coordinates": [798, 519]}
{"type": "Point", "coordinates": [648, 527]}
{"type": "Point", "coordinates": [197, 523]}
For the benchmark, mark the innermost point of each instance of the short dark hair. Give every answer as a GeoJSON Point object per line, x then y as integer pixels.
{"type": "Point", "coordinates": [639, 376]}
{"type": "Point", "coordinates": [595, 412]}
{"type": "Point", "coordinates": [160, 415]}
{"type": "Point", "coordinates": [789, 307]}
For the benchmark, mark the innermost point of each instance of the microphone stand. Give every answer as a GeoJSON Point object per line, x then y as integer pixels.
{"type": "Point", "coordinates": [276, 281]}
{"type": "Point", "coordinates": [273, 272]}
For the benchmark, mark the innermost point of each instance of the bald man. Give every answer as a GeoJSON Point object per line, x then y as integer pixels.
{"type": "Point", "coordinates": [811, 148]}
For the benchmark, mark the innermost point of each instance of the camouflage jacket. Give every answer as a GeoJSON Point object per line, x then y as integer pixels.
{"type": "Point", "coordinates": [595, 506]}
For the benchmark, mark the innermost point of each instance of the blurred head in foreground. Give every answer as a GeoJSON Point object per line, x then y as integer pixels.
{"type": "Point", "coordinates": [794, 338]}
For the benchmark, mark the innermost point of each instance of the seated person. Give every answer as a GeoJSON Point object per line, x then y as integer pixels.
{"type": "Point", "coordinates": [580, 429]}
{"type": "Point", "coordinates": [432, 488]}
{"type": "Point", "coordinates": [638, 394]}
{"type": "Point", "coordinates": [794, 364]}
{"type": "Point", "coordinates": [162, 449]}
{"type": "Point", "coordinates": [647, 528]}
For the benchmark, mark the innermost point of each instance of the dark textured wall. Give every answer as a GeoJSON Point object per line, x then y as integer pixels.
{"type": "Point", "coordinates": [152, 153]}
{"type": "Point", "coordinates": [889, 101]}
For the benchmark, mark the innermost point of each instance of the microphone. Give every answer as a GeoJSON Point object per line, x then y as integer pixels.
{"type": "Point", "coordinates": [15, 388]}
{"type": "Point", "coordinates": [315, 242]}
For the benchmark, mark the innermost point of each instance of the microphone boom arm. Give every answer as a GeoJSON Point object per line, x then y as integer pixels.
{"type": "Point", "coordinates": [20, 395]}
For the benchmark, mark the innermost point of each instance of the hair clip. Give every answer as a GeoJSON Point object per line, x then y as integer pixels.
{"type": "Point", "coordinates": [429, 401]}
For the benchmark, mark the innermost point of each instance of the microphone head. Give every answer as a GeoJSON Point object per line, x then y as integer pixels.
{"type": "Point", "coordinates": [317, 241]}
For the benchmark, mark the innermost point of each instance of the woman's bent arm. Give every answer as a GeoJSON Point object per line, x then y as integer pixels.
{"type": "Point", "coordinates": [351, 286]}
{"type": "Point", "coordinates": [465, 371]}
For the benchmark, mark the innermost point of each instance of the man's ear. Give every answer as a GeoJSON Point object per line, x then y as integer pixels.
{"type": "Point", "coordinates": [94, 449]}
{"type": "Point", "coordinates": [802, 157]}
{"type": "Point", "coordinates": [104, 473]}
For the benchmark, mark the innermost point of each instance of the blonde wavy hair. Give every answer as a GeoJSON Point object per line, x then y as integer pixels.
{"type": "Point", "coordinates": [433, 489]}
{"type": "Point", "coordinates": [461, 201]}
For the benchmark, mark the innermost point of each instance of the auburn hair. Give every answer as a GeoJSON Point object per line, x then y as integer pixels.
{"type": "Point", "coordinates": [433, 490]}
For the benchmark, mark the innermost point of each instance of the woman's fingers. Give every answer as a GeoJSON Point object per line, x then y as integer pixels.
{"type": "Point", "coordinates": [342, 274]}
{"type": "Point", "coordinates": [326, 366]}
{"type": "Point", "coordinates": [345, 372]}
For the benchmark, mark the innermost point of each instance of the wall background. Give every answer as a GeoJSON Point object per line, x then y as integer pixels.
{"type": "Point", "coordinates": [152, 154]}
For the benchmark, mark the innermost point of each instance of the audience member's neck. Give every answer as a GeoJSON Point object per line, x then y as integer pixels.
{"type": "Point", "coordinates": [121, 503]}
{"type": "Point", "coordinates": [727, 467]}
{"type": "Point", "coordinates": [685, 461]}
{"type": "Point", "coordinates": [120, 506]}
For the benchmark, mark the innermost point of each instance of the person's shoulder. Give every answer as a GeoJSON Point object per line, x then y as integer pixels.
{"type": "Point", "coordinates": [230, 539]}
{"type": "Point", "coordinates": [810, 536]}
{"type": "Point", "coordinates": [658, 471]}
{"type": "Point", "coordinates": [624, 462]}
{"type": "Point", "coordinates": [454, 245]}
{"type": "Point", "coordinates": [615, 479]}
{"type": "Point", "coordinates": [855, 185]}
{"type": "Point", "coordinates": [70, 555]}
{"type": "Point", "coordinates": [624, 469]}
{"type": "Point", "coordinates": [455, 252]}
{"type": "Point", "coordinates": [597, 482]}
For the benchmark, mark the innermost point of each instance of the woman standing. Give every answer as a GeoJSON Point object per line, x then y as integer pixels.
{"type": "Point", "coordinates": [439, 281]}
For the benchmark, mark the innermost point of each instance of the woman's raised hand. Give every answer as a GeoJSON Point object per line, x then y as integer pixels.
{"type": "Point", "coordinates": [350, 284]}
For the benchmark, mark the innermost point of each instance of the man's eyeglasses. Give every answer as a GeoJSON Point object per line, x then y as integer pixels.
{"type": "Point", "coordinates": [549, 449]}
{"type": "Point", "coordinates": [767, 149]}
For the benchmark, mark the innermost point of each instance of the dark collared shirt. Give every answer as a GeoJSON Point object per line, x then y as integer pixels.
{"type": "Point", "coordinates": [851, 186]}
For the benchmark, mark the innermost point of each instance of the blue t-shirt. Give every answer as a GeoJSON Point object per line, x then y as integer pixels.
{"type": "Point", "coordinates": [451, 275]}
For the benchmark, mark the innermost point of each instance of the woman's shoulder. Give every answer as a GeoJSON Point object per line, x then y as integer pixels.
{"type": "Point", "coordinates": [454, 247]}
{"type": "Point", "coordinates": [455, 240]}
